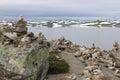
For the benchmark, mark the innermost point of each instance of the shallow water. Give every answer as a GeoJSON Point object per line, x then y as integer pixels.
{"type": "Point", "coordinates": [102, 37]}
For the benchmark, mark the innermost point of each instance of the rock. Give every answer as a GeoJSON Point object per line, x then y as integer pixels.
{"type": "Point", "coordinates": [99, 77]}
{"type": "Point", "coordinates": [116, 45]}
{"type": "Point", "coordinates": [83, 48]}
{"type": "Point", "coordinates": [87, 73]}
{"type": "Point", "coordinates": [71, 77]}
{"type": "Point", "coordinates": [93, 46]}
{"type": "Point", "coordinates": [95, 65]}
{"type": "Point", "coordinates": [12, 36]}
{"type": "Point", "coordinates": [20, 22]}
{"type": "Point", "coordinates": [62, 38]}
{"type": "Point", "coordinates": [41, 38]}
{"type": "Point", "coordinates": [110, 62]}
{"type": "Point", "coordinates": [21, 30]}
{"type": "Point", "coordinates": [86, 54]}
{"type": "Point", "coordinates": [21, 26]}
{"type": "Point", "coordinates": [117, 73]}
{"type": "Point", "coordinates": [77, 54]}
{"type": "Point", "coordinates": [94, 56]}
{"type": "Point", "coordinates": [30, 34]}
{"type": "Point", "coordinates": [26, 39]}
{"type": "Point", "coordinates": [97, 74]}
{"type": "Point", "coordinates": [24, 63]}
{"type": "Point", "coordinates": [111, 67]}
{"type": "Point", "coordinates": [20, 18]}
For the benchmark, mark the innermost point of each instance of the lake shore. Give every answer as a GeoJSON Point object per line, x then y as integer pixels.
{"type": "Point", "coordinates": [85, 63]}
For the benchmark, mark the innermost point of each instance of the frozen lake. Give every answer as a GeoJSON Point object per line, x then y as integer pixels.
{"type": "Point", "coordinates": [102, 37]}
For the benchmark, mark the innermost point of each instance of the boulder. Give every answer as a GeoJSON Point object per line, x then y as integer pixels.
{"type": "Point", "coordinates": [23, 63]}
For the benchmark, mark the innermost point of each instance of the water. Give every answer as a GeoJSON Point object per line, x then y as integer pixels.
{"type": "Point", "coordinates": [102, 37]}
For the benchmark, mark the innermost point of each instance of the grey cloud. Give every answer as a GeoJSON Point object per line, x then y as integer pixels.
{"type": "Point", "coordinates": [60, 7]}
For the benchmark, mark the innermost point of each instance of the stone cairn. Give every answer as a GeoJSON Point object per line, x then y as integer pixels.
{"type": "Point", "coordinates": [18, 34]}
{"type": "Point", "coordinates": [97, 62]}
{"type": "Point", "coordinates": [116, 45]}
{"type": "Point", "coordinates": [23, 56]}
{"type": "Point", "coordinates": [20, 26]}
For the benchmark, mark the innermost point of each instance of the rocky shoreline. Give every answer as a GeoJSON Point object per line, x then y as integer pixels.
{"type": "Point", "coordinates": [25, 55]}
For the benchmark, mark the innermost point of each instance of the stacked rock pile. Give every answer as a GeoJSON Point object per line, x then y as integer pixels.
{"type": "Point", "coordinates": [99, 64]}
{"type": "Point", "coordinates": [63, 45]}
{"type": "Point", "coordinates": [23, 56]}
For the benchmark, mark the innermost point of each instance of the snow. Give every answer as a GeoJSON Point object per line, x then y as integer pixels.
{"type": "Point", "coordinates": [105, 23]}
{"type": "Point", "coordinates": [55, 25]}
{"type": "Point", "coordinates": [85, 24]}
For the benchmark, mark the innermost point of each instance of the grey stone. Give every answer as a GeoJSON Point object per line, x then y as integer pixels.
{"type": "Point", "coordinates": [26, 65]}
{"type": "Point", "coordinates": [21, 29]}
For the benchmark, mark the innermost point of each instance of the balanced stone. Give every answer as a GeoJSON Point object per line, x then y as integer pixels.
{"type": "Point", "coordinates": [41, 38]}
{"type": "Point", "coordinates": [21, 26]}
{"type": "Point", "coordinates": [20, 22]}
{"type": "Point", "coordinates": [116, 45]}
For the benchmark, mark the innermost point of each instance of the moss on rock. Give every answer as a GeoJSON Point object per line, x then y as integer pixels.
{"type": "Point", "coordinates": [28, 63]}
{"type": "Point", "coordinates": [57, 66]}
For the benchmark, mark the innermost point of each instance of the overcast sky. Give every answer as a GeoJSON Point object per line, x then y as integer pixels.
{"type": "Point", "coordinates": [60, 7]}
